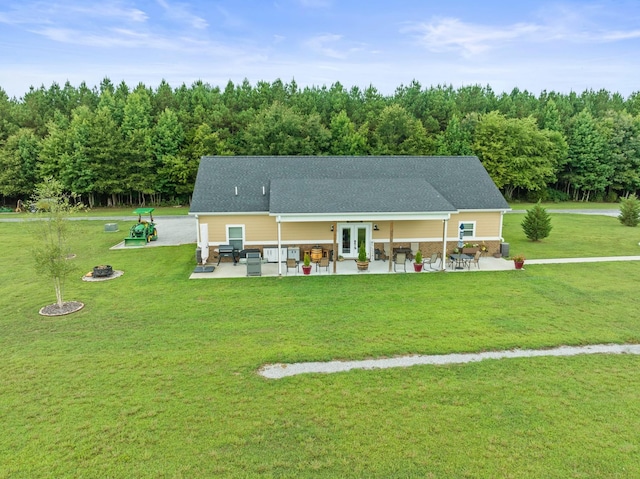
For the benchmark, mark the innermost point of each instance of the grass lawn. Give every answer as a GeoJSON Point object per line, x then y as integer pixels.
{"type": "Point", "coordinates": [574, 236]}
{"type": "Point", "coordinates": [567, 205]}
{"type": "Point", "coordinates": [106, 212]}
{"type": "Point", "coordinates": [156, 376]}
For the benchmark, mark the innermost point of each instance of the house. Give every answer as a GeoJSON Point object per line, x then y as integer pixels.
{"type": "Point", "coordinates": [335, 203]}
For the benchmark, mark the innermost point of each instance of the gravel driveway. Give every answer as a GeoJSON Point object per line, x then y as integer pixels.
{"type": "Point", "coordinates": [278, 371]}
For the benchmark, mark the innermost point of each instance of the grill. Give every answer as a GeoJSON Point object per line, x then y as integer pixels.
{"type": "Point", "coordinates": [228, 251]}
{"type": "Point", "coordinates": [254, 265]}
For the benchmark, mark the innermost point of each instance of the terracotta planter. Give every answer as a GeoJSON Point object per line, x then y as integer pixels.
{"type": "Point", "coordinates": [518, 264]}
{"type": "Point", "coordinates": [306, 269]}
{"type": "Point", "coordinates": [417, 267]}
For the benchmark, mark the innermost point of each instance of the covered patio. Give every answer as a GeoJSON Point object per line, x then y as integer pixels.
{"type": "Point", "coordinates": [226, 269]}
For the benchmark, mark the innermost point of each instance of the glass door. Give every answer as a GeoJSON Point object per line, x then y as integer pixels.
{"type": "Point", "coordinates": [351, 236]}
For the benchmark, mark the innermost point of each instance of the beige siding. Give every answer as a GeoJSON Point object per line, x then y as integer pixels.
{"type": "Point", "coordinates": [263, 229]}
{"type": "Point", "coordinates": [307, 232]}
{"type": "Point", "coordinates": [259, 229]}
{"type": "Point", "coordinates": [417, 229]}
{"type": "Point", "coordinates": [487, 224]}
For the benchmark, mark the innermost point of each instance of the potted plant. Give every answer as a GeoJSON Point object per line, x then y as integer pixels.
{"type": "Point", "coordinates": [306, 264]}
{"type": "Point", "coordinates": [363, 261]}
{"type": "Point", "coordinates": [417, 266]}
{"type": "Point", "coordinates": [518, 261]}
{"type": "Point", "coordinates": [469, 248]}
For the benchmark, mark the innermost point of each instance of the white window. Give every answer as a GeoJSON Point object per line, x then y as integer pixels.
{"type": "Point", "coordinates": [468, 228]}
{"type": "Point", "coordinates": [235, 236]}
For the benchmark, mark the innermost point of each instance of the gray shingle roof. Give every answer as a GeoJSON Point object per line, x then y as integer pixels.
{"type": "Point", "coordinates": [343, 184]}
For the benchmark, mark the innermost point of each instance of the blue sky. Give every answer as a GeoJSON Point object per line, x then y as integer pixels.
{"type": "Point", "coordinates": [533, 45]}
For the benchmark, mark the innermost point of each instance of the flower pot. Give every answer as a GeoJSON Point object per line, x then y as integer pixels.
{"type": "Point", "coordinates": [306, 269]}
{"type": "Point", "coordinates": [417, 267]}
{"type": "Point", "coordinates": [518, 264]}
{"type": "Point", "coordinates": [362, 265]}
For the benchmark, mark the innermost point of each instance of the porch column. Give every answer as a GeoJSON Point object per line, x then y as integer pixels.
{"type": "Point", "coordinates": [279, 247]}
{"type": "Point", "coordinates": [335, 247]}
{"type": "Point", "coordinates": [443, 262]}
{"type": "Point", "coordinates": [390, 244]}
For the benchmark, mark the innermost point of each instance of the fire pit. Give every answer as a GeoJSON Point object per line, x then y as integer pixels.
{"type": "Point", "coordinates": [102, 271]}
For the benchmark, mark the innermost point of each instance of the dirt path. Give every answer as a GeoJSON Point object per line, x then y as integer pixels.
{"type": "Point", "coordinates": [278, 371]}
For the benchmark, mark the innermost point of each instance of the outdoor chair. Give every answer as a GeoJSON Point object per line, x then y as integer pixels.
{"type": "Point", "coordinates": [323, 263]}
{"type": "Point", "coordinates": [431, 260]}
{"type": "Point", "coordinates": [292, 264]}
{"type": "Point", "coordinates": [401, 259]}
{"type": "Point", "coordinates": [476, 259]}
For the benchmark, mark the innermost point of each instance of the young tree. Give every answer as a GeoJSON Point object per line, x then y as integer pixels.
{"type": "Point", "coordinates": [589, 168]}
{"type": "Point", "coordinates": [629, 211]}
{"type": "Point", "coordinates": [51, 253]}
{"type": "Point", "coordinates": [516, 153]}
{"type": "Point", "coordinates": [537, 223]}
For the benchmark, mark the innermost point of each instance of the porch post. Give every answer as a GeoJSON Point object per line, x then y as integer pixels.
{"type": "Point", "coordinates": [443, 261]}
{"type": "Point", "coordinates": [279, 247]}
{"type": "Point", "coordinates": [390, 244]}
{"type": "Point", "coordinates": [335, 246]}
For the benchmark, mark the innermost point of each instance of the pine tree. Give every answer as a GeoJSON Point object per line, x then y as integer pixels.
{"type": "Point", "coordinates": [630, 211]}
{"type": "Point", "coordinates": [537, 223]}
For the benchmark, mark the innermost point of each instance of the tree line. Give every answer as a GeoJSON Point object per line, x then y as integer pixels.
{"type": "Point", "coordinates": [114, 145]}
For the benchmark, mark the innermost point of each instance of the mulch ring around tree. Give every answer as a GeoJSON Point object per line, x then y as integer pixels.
{"type": "Point", "coordinates": [89, 276]}
{"type": "Point", "coordinates": [68, 307]}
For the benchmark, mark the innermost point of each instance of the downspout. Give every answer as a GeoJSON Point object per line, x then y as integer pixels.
{"type": "Point", "coordinates": [443, 261]}
{"type": "Point", "coordinates": [197, 229]}
{"type": "Point", "coordinates": [279, 246]}
{"type": "Point", "coordinates": [500, 234]}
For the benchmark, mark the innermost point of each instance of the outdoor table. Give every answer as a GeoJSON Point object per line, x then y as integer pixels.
{"type": "Point", "coordinates": [461, 260]}
{"type": "Point", "coordinates": [406, 251]}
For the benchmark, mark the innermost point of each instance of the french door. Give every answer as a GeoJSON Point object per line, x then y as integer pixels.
{"type": "Point", "coordinates": [351, 236]}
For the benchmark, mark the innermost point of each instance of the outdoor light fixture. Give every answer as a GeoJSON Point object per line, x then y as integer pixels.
{"type": "Point", "coordinates": [331, 227]}
{"type": "Point", "coordinates": [375, 228]}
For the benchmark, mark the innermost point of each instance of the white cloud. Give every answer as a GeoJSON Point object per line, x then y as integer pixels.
{"type": "Point", "coordinates": [469, 39]}
{"type": "Point", "coordinates": [179, 12]}
{"type": "Point", "coordinates": [66, 12]}
{"type": "Point", "coordinates": [615, 36]}
{"type": "Point", "coordinates": [448, 34]}
{"type": "Point", "coordinates": [330, 45]}
{"type": "Point", "coordinates": [315, 3]}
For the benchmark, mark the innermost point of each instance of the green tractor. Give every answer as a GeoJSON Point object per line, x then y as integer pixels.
{"type": "Point", "coordinates": [143, 231]}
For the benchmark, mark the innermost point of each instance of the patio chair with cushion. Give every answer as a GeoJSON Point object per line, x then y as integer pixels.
{"type": "Point", "coordinates": [401, 259]}
{"type": "Point", "coordinates": [433, 259]}
{"type": "Point", "coordinates": [292, 264]}
{"type": "Point", "coordinates": [476, 259]}
{"type": "Point", "coordinates": [323, 263]}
